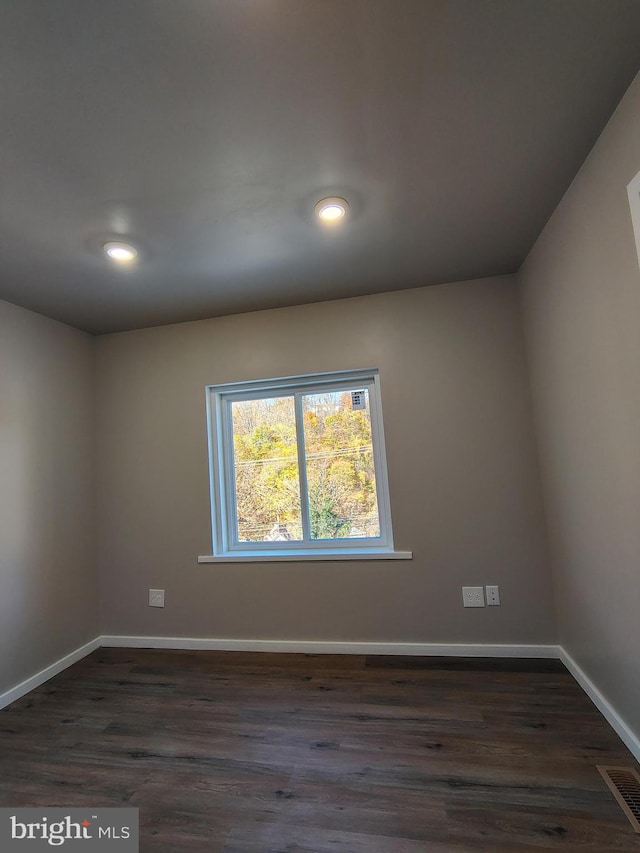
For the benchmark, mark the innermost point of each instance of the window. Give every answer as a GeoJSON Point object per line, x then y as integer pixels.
{"type": "Point", "coordinates": [298, 469]}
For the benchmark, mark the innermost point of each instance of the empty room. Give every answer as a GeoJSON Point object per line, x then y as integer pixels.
{"type": "Point", "coordinates": [319, 426]}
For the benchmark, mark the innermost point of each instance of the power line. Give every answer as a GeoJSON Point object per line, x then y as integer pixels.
{"type": "Point", "coordinates": [318, 454]}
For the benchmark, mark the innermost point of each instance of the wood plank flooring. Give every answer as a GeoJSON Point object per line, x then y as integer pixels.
{"type": "Point", "coordinates": [227, 752]}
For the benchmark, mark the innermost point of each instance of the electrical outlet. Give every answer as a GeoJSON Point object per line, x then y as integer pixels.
{"type": "Point", "coordinates": [156, 598]}
{"type": "Point", "coordinates": [473, 596]}
{"type": "Point", "coordinates": [493, 595]}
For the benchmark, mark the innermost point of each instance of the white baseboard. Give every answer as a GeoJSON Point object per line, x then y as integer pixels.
{"type": "Point", "coordinates": [491, 650]}
{"type": "Point", "coordinates": [291, 646]}
{"type": "Point", "coordinates": [45, 674]}
{"type": "Point", "coordinates": [626, 735]}
{"type": "Point", "coordinates": [321, 647]}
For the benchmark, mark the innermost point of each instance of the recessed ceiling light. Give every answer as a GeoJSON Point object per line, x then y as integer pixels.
{"type": "Point", "coordinates": [123, 253]}
{"type": "Point", "coordinates": [332, 210]}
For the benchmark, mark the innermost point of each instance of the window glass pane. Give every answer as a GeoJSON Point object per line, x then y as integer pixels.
{"type": "Point", "coordinates": [266, 470]}
{"type": "Point", "coordinates": [340, 465]}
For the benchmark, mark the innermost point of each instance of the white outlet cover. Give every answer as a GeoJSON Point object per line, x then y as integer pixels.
{"type": "Point", "coordinates": [493, 596]}
{"type": "Point", "coordinates": [473, 596]}
{"type": "Point", "coordinates": [156, 598]}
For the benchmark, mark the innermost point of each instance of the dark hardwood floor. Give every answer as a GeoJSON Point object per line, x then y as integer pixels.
{"type": "Point", "coordinates": [248, 753]}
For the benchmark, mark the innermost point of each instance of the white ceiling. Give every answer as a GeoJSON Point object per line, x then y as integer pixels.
{"type": "Point", "coordinates": [205, 130]}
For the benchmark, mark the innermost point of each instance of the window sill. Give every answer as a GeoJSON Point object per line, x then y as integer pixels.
{"type": "Point", "coordinates": [306, 556]}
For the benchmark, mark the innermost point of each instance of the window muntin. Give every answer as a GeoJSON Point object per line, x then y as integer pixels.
{"type": "Point", "coordinates": [298, 465]}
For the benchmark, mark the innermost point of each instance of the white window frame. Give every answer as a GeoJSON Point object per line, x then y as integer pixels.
{"type": "Point", "coordinates": [633, 192]}
{"type": "Point", "coordinates": [226, 547]}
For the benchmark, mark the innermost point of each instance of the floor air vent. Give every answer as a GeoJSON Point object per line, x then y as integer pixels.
{"type": "Point", "coordinates": [624, 784]}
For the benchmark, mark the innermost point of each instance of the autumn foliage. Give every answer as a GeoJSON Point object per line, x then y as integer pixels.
{"type": "Point", "coordinates": [339, 466]}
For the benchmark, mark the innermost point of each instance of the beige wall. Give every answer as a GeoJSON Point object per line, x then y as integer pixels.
{"type": "Point", "coordinates": [462, 466]}
{"type": "Point", "coordinates": [581, 299]}
{"type": "Point", "coordinates": [48, 589]}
